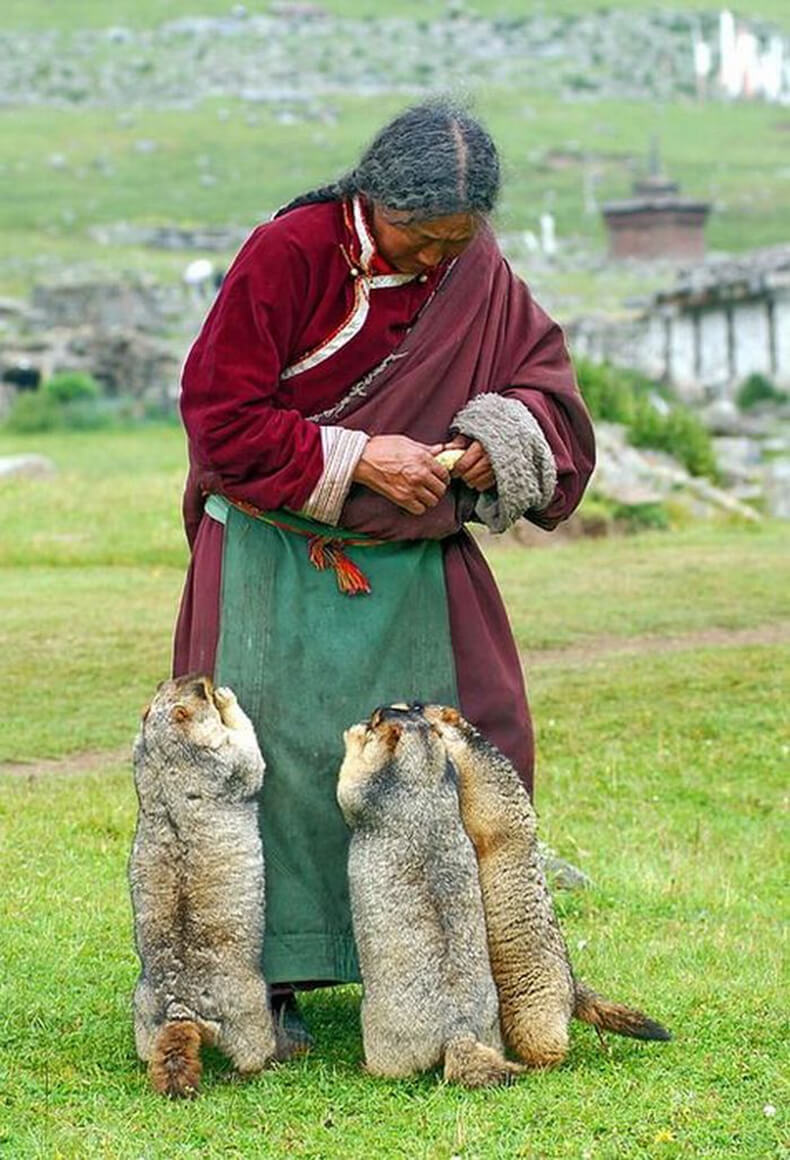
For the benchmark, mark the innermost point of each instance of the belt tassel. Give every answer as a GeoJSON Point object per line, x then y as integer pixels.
{"type": "Point", "coordinates": [325, 552]}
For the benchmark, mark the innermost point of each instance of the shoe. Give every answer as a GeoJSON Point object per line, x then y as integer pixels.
{"type": "Point", "coordinates": [290, 1027]}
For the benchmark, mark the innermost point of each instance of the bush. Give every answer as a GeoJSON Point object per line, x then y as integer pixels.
{"type": "Point", "coordinates": [69, 386]}
{"type": "Point", "coordinates": [758, 389]}
{"type": "Point", "coordinates": [642, 517]}
{"type": "Point", "coordinates": [88, 414]}
{"type": "Point", "coordinates": [36, 411]}
{"type": "Point", "coordinates": [33, 412]}
{"type": "Point", "coordinates": [680, 433]}
{"type": "Point", "coordinates": [606, 390]}
{"type": "Point", "coordinates": [617, 395]}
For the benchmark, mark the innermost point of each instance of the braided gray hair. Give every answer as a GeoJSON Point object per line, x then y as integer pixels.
{"type": "Point", "coordinates": [432, 160]}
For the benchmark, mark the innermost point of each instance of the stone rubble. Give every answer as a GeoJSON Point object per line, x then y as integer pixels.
{"type": "Point", "coordinates": [298, 52]}
{"type": "Point", "coordinates": [27, 466]}
{"type": "Point", "coordinates": [630, 475]}
{"type": "Point", "coordinates": [129, 334]}
{"type": "Point", "coordinates": [132, 335]}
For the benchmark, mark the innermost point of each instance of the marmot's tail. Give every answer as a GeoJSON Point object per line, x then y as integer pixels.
{"type": "Point", "coordinates": [175, 1067]}
{"type": "Point", "coordinates": [592, 1008]}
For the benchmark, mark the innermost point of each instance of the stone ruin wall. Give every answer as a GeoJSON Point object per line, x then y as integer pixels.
{"type": "Point", "coordinates": [704, 352]}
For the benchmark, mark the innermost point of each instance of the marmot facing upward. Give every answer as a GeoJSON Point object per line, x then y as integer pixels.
{"type": "Point", "coordinates": [529, 959]}
{"type": "Point", "coordinates": [197, 885]}
{"type": "Point", "coordinates": [416, 907]}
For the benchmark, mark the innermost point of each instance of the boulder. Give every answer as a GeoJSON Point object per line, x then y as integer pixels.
{"type": "Point", "coordinates": [737, 458]}
{"type": "Point", "coordinates": [777, 488]}
{"type": "Point", "coordinates": [103, 304]}
{"type": "Point", "coordinates": [629, 475]}
{"type": "Point", "coordinates": [125, 362]}
{"type": "Point", "coordinates": [26, 467]}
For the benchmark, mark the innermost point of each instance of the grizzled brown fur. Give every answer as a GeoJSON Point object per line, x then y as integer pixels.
{"type": "Point", "coordinates": [197, 885]}
{"type": "Point", "coordinates": [538, 994]}
{"type": "Point", "coordinates": [416, 908]}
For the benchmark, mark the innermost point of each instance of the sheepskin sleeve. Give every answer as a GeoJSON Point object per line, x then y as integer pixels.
{"type": "Point", "coordinates": [522, 461]}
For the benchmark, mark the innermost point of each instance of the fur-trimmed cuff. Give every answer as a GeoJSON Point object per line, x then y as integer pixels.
{"type": "Point", "coordinates": [342, 450]}
{"type": "Point", "coordinates": [524, 467]}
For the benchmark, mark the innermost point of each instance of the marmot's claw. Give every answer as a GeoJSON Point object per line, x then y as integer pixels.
{"type": "Point", "coordinates": [225, 696]}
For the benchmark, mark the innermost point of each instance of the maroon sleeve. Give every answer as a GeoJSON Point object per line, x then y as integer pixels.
{"type": "Point", "coordinates": [249, 446]}
{"type": "Point", "coordinates": [546, 384]}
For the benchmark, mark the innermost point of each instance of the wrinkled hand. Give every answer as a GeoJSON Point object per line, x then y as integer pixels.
{"type": "Point", "coordinates": [403, 471]}
{"type": "Point", "coordinates": [474, 466]}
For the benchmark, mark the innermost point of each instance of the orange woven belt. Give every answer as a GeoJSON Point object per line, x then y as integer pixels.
{"type": "Point", "coordinates": [325, 551]}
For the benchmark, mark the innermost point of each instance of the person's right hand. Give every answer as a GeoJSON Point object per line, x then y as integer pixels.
{"type": "Point", "coordinates": [403, 471]}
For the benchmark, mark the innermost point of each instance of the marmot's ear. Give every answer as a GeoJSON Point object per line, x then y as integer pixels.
{"type": "Point", "coordinates": [200, 689]}
{"type": "Point", "coordinates": [391, 734]}
{"type": "Point", "coordinates": [450, 716]}
{"type": "Point", "coordinates": [180, 713]}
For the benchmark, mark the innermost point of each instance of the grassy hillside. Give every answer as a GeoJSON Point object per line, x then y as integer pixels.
{"type": "Point", "coordinates": [143, 13]}
{"type": "Point", "coordinates": [661, 754]}
{"type": "Point", "coordinates": [66, 165]}
{"type": "Point", "coordinates": [256, 162]}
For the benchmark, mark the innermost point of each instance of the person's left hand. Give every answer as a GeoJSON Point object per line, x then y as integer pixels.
{"type": "Point", "coordinates": [474, 466]}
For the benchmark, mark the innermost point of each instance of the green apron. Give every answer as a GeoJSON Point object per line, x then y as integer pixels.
{"type": "Point", "coordinates": [306, 661]}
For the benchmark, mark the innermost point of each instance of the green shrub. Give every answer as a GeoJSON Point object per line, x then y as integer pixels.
{"type": "Point", "coordinates": [689, 441]}
{"type": "Point", "coordinates": [88, 414]}
{"type": "Point", "coordinates": [680, 433]}
{"type": "Point", "coordinates": [642, 517]}
{"type": "Point", "coordinates": [608, 393]}
{"type": "Point", "coordinates": [618, 395]}
{"type": "Point", "coordinates": [33, 412]}
{"type": "Point", "coordinates": [69, 386]}
{"type": "Point", "coordinates": [758, 389]}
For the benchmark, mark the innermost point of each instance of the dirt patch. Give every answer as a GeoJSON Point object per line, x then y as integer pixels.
{"type": "Point", "coordinates": [89, 762]}
{"type": "Point", "coordinates": [603, 646]}
{"type": "Point", "coordinates": [600, 646]}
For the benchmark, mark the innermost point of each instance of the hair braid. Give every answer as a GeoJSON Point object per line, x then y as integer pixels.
{"type": "Point", "coordinates": [432, 160]}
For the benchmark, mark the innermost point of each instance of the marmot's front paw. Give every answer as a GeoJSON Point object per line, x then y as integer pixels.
{"type": "Point", "coordinates": [228, 706]}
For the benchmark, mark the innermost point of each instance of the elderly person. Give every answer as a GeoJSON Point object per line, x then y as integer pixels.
{"type": "Point", "coordinates": [372, 324]}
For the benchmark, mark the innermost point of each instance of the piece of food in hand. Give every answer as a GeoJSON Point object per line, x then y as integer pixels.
{"type": "Point", "coordinates": [449, 458]}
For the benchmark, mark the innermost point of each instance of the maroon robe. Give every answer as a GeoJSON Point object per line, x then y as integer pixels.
{"type": "Point", "coordinates": [472, 329]}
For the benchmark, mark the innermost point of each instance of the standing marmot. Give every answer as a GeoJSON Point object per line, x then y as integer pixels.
{"type": "Point", "coordinates": [529, 960]}
{"type": "Point", "coordinates": [196, 877]}
{"type": "Point", "coordinates": [416, 907]}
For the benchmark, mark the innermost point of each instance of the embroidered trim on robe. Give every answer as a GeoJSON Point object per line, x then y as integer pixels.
{"type": "Point", "coordinates": [364, 282]}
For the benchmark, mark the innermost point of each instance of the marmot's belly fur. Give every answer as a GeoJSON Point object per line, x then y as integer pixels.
{"type": "Point", "coordinates": [197, 884]}
{"type": "Point", "coordinates": [416, 907]}
{"type": "Point", "coordinates": [538, 994]}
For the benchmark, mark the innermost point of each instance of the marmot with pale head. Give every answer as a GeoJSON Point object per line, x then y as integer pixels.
{"type": "Point", "coordinates": [197, 884]}
{"type": "Point", "coordinates": [416, 907]}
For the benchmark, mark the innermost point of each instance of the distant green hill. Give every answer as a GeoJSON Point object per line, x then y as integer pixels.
{"type": "Point", "coordinates": [75, 155]}
{"type": "Point", "coordinates": [143, 13]}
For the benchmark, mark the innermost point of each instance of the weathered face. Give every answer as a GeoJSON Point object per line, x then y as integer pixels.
{"type": "Point", "coordinates": [415, 247]}
{"type": "Point", "coordinates": [395, 751]}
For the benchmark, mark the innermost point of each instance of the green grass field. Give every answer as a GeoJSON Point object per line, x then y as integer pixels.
{"type": "Point", "coordinates": [656, 670]}
{"type": "Point", "coordinates": [734, 155]}
{"type": "Point", "coordinates": [45, 213]}
{"type": "Point", "coordinates": [145, 13]}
